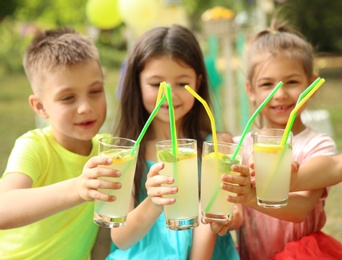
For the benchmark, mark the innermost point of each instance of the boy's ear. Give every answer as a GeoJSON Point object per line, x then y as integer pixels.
{"type": "Point", "coordinates": [250, 92]}
{"type": "Point", "coordinates": [37, 106]}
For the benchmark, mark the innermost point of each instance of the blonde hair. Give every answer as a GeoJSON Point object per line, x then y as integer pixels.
{"type": "Point", "coordinates": [56, 49]}
{"type": "Point", "coordinates": [277, 39]}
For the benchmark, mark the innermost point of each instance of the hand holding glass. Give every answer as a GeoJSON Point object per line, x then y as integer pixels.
{"type": "Point", "coordinates": [214, 205]}
{"type": "Point", "coordinates": [114, 213]}
{"type": "Point", "coordinates": [272, 165]}
{"type": "Point", "coordinates": [183, 167]}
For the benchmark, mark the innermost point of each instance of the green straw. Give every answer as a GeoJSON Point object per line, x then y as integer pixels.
{"type": "Point", "coordinates": [306, 94]}
{"type": "Point", "coordinates": [250, 121]}
{"type": "Point", "coordinates": [172, 120]}
{"type": "Point", "coordinates": [245, 131]}
{"type": "Point", "coordinates": [147, 124]}
{"type": "Point", "coordinates": [293, 114]}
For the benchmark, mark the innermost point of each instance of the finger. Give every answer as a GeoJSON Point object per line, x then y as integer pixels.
{"type": "Point", "coordinates": [158, 180]}
{"type": "Point", "coordinates": [96, 195]}
{"type": "Point", "coordinates": [163, 201]}
{"type": "Point", "coordinates": [294, 167]}
{"type": "Point", "coordinates": [98, 172]}
{"type": "Point", "coordinates": [161, 191]}
{"type": "Point", "coordinates": [242, 169]}
{"type": "Point", "coordinates": [236, 180]}
{"type": "Point", "coordinates": [98, 160]}
{"type": "Point", "coordinates": [154, 170]}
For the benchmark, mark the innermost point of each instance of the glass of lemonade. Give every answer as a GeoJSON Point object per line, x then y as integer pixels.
{"type": "Point", "coordinates": [113, 214]}
{"type": "Point", "coordinates": [214, 205]}
{"type": "Point", "coordinates": [272, 165]}
{"type": "Point", "coordinates": [183, 167]}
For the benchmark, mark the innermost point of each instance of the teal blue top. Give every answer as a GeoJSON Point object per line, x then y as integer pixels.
{"type": "Point", "coordinates": [162, 243]}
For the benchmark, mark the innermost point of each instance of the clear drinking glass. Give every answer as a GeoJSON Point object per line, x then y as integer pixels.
{"type": "Point", "coordinates": [214, 205]}
{"type": "Point", "coordinates": [183, 167]}
{"type": "Point", "coordinates": [272, 165]}
{"type": "Point", "coordinates": [113, 214]}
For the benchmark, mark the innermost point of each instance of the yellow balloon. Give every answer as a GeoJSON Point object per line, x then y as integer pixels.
{"type": "Point", "coordinates": [140, 15]}
{"type": "Point", "coordinates": [103, 13]}
{"type": "Point", "coordinates": [172, 14]}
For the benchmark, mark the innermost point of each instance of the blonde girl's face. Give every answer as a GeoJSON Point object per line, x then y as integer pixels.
{"type": "Point", "coordinates": [267, 75]}
{"type": "Point", "coordinates": [175, 73]}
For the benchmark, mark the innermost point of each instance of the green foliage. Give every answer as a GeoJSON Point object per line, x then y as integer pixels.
{"type": "Point", "coordinates": [52, 13]}
{"type": "Point", "coordinates": [12, 47]}
{"type": "Point", "coordinates": [320, 21]}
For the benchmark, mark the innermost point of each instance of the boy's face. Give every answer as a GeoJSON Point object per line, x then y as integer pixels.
{"type": "Point", "coordinates": [73, 101]}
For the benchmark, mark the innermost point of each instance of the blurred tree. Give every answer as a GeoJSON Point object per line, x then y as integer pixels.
{"type": "Point", "coordinates": [7, 8]}
{"type": "Point", "coordinates": [319, 20]}
{"type": "Point", "coordinates": [52, 13]}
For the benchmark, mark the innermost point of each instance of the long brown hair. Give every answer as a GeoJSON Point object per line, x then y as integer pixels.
{"type": "Point", "coordinates": [179, 43]}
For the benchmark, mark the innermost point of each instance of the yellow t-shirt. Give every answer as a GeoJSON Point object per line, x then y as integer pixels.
{"type": "Point", "coordinates": [70, 234]}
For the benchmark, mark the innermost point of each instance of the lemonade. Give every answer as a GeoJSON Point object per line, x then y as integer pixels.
{"type": "Point", "coordinates": [272, 163]}
{"type": "Point", "coordinates": [183, 214]}
{"type": "Point", "coordinates": [113, 214]}
{"type": "Point", "coordinates": [213, 166]}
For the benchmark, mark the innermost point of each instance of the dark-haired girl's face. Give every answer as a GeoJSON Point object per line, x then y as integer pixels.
{"type": "Point", "coordinates": [175, 73]}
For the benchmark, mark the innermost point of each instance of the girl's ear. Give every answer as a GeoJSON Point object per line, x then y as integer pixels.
{"type": "Point", "coordinates": [37, 106]}
{"type": "Point", "coordinates": [250, 92]}
{"type": "Point", "coordinates": [314, 77]}
{"type": "Point", "coordinates": [199, 81]}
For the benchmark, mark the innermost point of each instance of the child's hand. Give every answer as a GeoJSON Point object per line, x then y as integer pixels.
{"type": "Point", "coordinates": [241, 185]}
{"type": "Point", "coordinates": [222, 228]}
{"type": "Point", "coordinates": [154, 188]}
{"type": "Point", "coordinates": [294, 174]}
{"type": "Point", "coordinates": [90, 183]}
{"type": "Point", "coordinates": [224, 137]}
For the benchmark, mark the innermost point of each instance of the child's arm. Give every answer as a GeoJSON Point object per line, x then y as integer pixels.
{"type": "Point", "coordinates": [140, 219]}
{"type": "Point", "coordinates": [327, 171]}
{"type": "Point", "coordinates": [22, 205]}
{"type": "Point", "coordinates": [101, 248]}
{"type": "Point", "coordinates": [203, 243]}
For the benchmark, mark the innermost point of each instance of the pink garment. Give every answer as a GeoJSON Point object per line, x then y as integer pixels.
{"type": "Point", "coordinates": [263, 236]}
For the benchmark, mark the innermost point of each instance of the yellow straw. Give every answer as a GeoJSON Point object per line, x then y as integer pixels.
{"type": "Point", "coordinates": [162, 87]}
{"type": "Point", "coordinates": [288, 129]}
{"type": "Point", "coordinates": [297, 107]}
{"type": "Point", "coordinates": [210, 114]}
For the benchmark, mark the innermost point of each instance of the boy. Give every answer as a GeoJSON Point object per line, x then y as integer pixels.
{"type": "Point", "coordinates": [41, 204]}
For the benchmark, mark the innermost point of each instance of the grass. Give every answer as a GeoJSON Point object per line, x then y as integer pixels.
{"type": "Point", "coordinates": [17, 117]}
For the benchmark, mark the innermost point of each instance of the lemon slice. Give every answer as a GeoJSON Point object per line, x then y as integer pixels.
{"type": "Point", "coordinates": [118, 156]}
{"type": "Point", "coordinates": [166, 155]}
{"type": "Point", "coordinates": [184, 154]}
{"type": "Point", "coordinates": [225, 161]}
{"type": "Point", "coordinates": [267, 148]}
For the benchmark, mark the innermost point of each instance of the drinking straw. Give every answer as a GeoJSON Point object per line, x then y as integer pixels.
{"type": "Point", "coordinates": [162, 87]}
{"type": "Point", "coordinates": [172, 120]}
{"type": "Point", "coordinates": [305, 94]}
{"type": "Point", "coordinates": [250, 121]}
{"type": "Point", "coordinates": [147, 124]}
{"type": "Point", "coordinates": [245, 131]}
{"type": "Point", "coordinates": [211, 117]}
{"type": "Point", "coordinates": [308, 93]}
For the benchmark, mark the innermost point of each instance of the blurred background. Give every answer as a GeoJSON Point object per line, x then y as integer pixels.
{"type": "Point", "coordinates": [223, 28]}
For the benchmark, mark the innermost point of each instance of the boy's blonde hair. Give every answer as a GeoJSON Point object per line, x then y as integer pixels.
{"type": "Point", "coordinates": [278, 39]}
{"type": "Point", "coordinates": [56, 49]}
